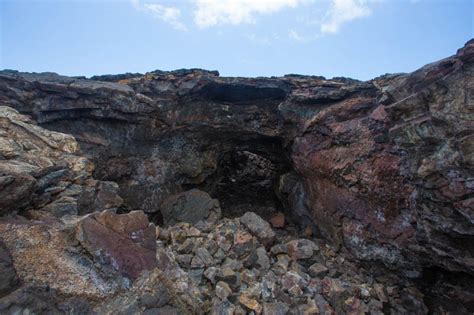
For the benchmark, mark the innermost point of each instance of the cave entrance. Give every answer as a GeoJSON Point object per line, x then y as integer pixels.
{"type": "Point", "coordinates": [247, 180]}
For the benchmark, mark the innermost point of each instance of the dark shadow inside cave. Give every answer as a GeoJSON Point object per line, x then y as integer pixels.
{"type": "Point", "coordinates": [246, 179]}
{"type": "Point", "coordinates": [442, 287]}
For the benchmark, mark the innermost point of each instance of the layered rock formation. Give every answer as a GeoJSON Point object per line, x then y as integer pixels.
{"type": "Point", "coordinates": [382, 169]}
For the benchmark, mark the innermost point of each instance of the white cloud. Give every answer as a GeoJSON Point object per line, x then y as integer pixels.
{"type": "Point", "coordinates": [210, 13]}
{"type": "Point", "coordinates": [213, 12]}
{"type": "Point", "coordinates": [297, 36]}
{"type": "Point", "coordinates": [170, 15]}
{"type": "Point", "coordinates": [343, 11]}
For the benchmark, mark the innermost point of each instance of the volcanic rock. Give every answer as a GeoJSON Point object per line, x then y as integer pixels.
{"type": "Point", "coordinates": [191, 206]}
{"type": "Point", "coordinates": [258, 227]}
{"type": "Point", "coordinates": [126, 242]}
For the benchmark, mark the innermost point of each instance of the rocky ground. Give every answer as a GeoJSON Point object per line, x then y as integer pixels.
{"type": "Point", "coordinates": [244, 266]}
{"type": "Point", "coordinates": [186, 192]}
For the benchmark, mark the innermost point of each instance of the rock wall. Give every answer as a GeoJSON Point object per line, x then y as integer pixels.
{"type": "Point", "coordinates": [383, 168]}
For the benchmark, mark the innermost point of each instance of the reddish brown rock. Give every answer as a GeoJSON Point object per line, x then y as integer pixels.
{"type": "Point", "coordinates": [278, 220]}
{"type": "Point", "coordinates": [46, 253]}
{"type": "Point", "coordinates": [126, 242]}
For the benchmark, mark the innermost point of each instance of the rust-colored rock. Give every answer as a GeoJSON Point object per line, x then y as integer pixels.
{"type": "Point", "coordinates": [126, 242]}
{"type": "Point", "coordinates": [278, 220]}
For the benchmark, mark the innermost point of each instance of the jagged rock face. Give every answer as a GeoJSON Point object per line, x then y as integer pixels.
{"type": "Point", "coordinates": [392, 177]}
{"type": "Point", "coordinates": [40, 170]}
{"type": "Point", "coordinates": [383, 167]}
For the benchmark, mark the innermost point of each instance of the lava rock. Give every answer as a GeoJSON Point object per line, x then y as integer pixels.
{"type": "Point", "coordinates": [8, 278]}
{"type": "Point", "coordinates": [190, 206]}
{"type": "Point", "coordinates": [258, 227]}
{"type": "Point", "coordinates": [126, 242]}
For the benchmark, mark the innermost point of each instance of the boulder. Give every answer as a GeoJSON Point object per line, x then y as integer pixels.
{"type": "Point", "coordinates": [125, 242]}
{"type": "Point", "coordinates": [258, 227]}
{"type": "Point", "coordinates": [46, 253]}
{"type": "Point", "coordinates": [190, 206]}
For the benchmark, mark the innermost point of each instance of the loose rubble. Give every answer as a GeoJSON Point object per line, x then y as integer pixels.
{"type": "Point", "coordinates": [236, 271]}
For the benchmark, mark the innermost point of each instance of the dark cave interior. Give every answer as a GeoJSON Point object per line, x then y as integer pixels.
{"type": "Point", "coordinates": [247, 181]}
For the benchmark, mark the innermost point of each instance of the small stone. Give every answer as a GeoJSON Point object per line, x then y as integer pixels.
{"type": "Point", "coordinates": [250, 304]}
{"type": "Point", "coordinates": [243, 244]}
{"type": "Point", "coordinates": [228, 275]}
{"type": "Point", "coordinates": [248, 276]}
{"type": "Point", "coordinates": [280, 267]}
{"type": "Point", "coordinates": [295, 291]}
{"type": "Point", "coordinates": [279, 249]}
{"type": "Point", "coordinates": [187, 246]}
{"type": "Point", "coordinates": [204, 256]}
{"type": "Point", "coordinates": [184, 261]}
{"type": "Point", "coordinates": [182, 225]}
{"type": "Point", "coordinates": [223, 290]}
{"type": "Point", "coordinates": [193, 232]}
{"type": "Point", "coordinates": [196, 275]}
{"type": "Point", "coordinates": [242, 237]}
{"type": "Point", "coordinates": [258, 227]}
{"type": "Point", "coordinates": [250, 259]}
{"type": "Point", "coordinates": [155, 300]}
{"type": "Point", "coordinates": [301, 249]}
{"type": "Point", "coordinates": [233, 264]}
{"type": "Point", "coordinates": [219, 255]}
{"type": "Point", "coordinates": [379, 290]}
{"type": "Point", "coordinates": [211, 246]}
{"type": "Point", "coordinates": [277, 308]}
{"type": "Point", "coordinates": [291, 279]}
{"type": "Point", "coordinates": [309, 309]}
{"type": "Point", "coordinates": [317, 270]}
{"type": "Point", "coordinates": [268, 286]}
{"type": "Point", "coordinates": [223, 308]}
{"type": "Point", "coordinates": [299, 269]}
{"type": "Point", "coordinates": [254, 290]}
{"type": "Point", "coordinates": [364, 293]}
{"type": "Point", "coordinates": [278, 220]}
{"type": "Point", "coordinates": [196, 262]}
{"type": "Point", "coordinates": [211, 273]}
{"type": "Point", "coordinates": [262, 262]}
{"type": "Point", "coordinates": [239, 311]}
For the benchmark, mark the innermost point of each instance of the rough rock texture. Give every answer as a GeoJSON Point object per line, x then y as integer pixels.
{"type": "Point", "coordinates": [8, 278]}
{"type": "Point", "coordinates": [39, 170]}
{"type": "Point", "coordinates": [47, 253]}
{"type": "Point", "coordinates": [383, 169]}
{"type": "Point", "coordinates": [294, 276]}
{"type": "Point", "coordinates": [190, 206]}
{"type": "Point", "coordinates": [126, 242]}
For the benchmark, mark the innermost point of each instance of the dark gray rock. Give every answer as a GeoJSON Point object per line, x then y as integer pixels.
{"type": "Point", "coordinates": [258, 227]}
{"type": "Point", "coordinates": [8, 278]}
{"type": "Point", "coordinates": [191, 206]}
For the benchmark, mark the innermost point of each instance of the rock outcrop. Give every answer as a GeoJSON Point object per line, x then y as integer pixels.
{"type": "Point", "coordinates": [383, 169]}
{"type": "Point", "coordinates": [41, 171]}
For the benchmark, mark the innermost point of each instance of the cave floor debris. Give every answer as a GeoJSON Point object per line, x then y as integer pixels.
{"type": "Point", "coordinates": [243, 266]}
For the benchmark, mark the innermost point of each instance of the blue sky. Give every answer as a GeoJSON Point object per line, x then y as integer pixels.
{"type": "Point", "coordinates": [354, 38]}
